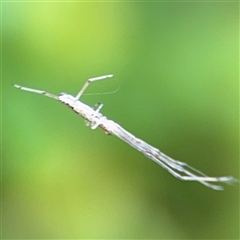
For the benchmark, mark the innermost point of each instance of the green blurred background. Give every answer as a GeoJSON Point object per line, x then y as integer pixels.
{"type": "Point", "coordinates": [177, 68]}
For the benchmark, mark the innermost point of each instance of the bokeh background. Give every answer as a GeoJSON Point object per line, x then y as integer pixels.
{"type": "Point", "coordinates": [176, 67]}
